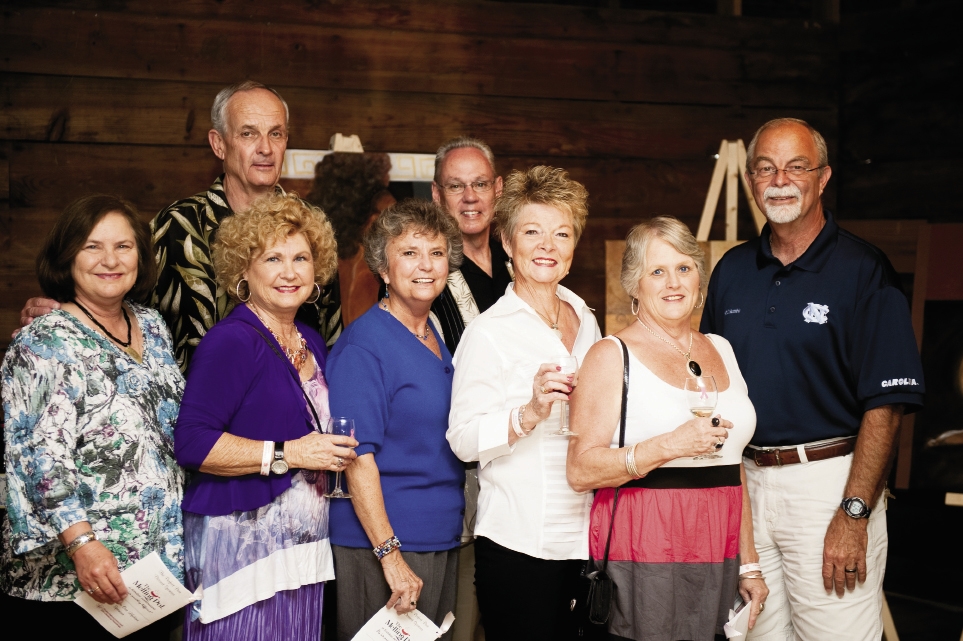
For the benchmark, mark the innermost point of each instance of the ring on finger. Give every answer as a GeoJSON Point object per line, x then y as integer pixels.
{"type": "Point", "coordinates": [541, 388]}
{"type": "Point", "coordinates": [762, 606]}
{"type": "Point", "coordinates": [720, 444]}
{"type": "Point", "coordinates": [715, 421]}
{"type": "Point", "coordinates": [848, 571]}
{"type": "Point", "coordinates": [339, 460]}
{"type": "Point", "coordinates": [90, 590]}
{"type": "Point", "coordinates": [414, 603]}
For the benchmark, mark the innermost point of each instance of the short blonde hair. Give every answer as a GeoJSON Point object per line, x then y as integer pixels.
{"type": "Point", "coordinates": [541, 185]}
{"type": "Point", "coordinates": [671, 230]}
{"type": "Point", "coordinates": [270, 220]}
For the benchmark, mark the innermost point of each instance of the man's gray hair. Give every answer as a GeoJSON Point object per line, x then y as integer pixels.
{"type": "Point", "coordinates": [821, 149]}
{"type": "Point", "coordinates": [219, 108]}
{"type": "Point", "coordinates": [460, 143]}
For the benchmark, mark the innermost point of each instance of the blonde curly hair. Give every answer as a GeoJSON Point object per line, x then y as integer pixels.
{"type": "Point", "coordinates": [270, 220]}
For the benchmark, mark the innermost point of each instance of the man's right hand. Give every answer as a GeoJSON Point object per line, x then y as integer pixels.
{"type": "Point", "coordinates": [35, 307]}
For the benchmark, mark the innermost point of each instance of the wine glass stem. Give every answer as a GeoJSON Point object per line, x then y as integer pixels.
{"type": "Point", "coordinates": [337, 481]}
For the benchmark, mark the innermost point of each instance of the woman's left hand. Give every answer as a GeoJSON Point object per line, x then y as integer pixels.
{"type": "Point", "coordinates": [98, 573]}
{"type": "Point", "coordinates": [754, 591]}
{"type": "Point", "coordinates": [321, 452]}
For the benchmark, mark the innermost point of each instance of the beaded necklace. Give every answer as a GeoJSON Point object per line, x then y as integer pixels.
{"type": "Point", "coordinates": [298, 357]}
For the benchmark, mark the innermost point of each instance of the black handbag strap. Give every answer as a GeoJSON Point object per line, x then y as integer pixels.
{"type": "Point", "coordinates": [625, 404]}
{"type": "Point", "coordinates": [297, 379]}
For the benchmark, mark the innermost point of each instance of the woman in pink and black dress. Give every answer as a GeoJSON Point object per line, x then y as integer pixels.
{"type": "Point", "coordinates": [255, 516]}
{"type": "Point", "coordinates": [682, 524]}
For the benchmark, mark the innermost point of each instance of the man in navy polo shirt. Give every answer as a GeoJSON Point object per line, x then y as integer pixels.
{"type": "Point", "coordinates": [823, 336]}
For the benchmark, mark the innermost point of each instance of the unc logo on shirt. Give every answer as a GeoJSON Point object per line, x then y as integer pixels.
{"type": "Point", "coordinates": [816, 313]}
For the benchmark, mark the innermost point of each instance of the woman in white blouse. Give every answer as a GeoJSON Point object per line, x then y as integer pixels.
{"type": "Point", "coordinates": [532, 527]}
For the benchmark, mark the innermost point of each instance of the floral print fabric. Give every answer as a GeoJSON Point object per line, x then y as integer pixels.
{"type": "Point", "coordinates": [89, 437]}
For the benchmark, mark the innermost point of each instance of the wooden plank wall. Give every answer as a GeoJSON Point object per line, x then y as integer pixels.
{"type": "Point", "coordinates": [115, 96]}
{"type": "Point", "coordinates": [901, 126]}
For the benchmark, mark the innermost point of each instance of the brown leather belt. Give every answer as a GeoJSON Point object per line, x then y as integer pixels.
{"type": "Point", "coordinates": [766, 456]}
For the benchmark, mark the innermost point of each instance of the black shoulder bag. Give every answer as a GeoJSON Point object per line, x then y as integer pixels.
{"type": "Point", "coordinates": [598, 586]}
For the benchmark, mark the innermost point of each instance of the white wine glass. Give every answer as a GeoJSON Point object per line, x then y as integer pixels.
{"type": "Point", "coordinates": [702, 395]}
{"type": "Point", "coordinates": [569, 365]}
{"type": "Point", "coordinates": [339, 426]}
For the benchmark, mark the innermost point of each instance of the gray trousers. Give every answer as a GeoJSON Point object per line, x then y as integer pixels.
{"type": "Point", "coordinates": [362, 589]}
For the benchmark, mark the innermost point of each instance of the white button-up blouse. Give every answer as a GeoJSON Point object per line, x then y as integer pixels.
{"type": "Point", "coordinates": [525, 502]}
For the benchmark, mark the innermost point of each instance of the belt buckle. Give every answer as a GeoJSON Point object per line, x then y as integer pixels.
{"type": "Point", "coordinates": [756, 453]}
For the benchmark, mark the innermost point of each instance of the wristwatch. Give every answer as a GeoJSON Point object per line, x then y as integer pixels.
{"type": "Point", "coordinates": [279, 466]}
{"type": "Point", "coordinates": [855, 507]}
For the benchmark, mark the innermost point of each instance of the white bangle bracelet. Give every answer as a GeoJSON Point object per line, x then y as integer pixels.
{"type": "Point", "coordinates": [267, 455]}
{"type": "Point", "coordinates": [749, 567]}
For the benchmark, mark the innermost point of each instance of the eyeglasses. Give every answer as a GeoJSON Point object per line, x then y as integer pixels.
{"type": "Point", "coordinates": [479, 187]}
{"type": "Point", "coordinates": [793, 171]}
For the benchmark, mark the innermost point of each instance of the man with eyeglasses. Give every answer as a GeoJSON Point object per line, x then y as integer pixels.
{"type": "Point", "coordinates": [466, 186]}
{"type": "Point", "coordinates": [822, 334]}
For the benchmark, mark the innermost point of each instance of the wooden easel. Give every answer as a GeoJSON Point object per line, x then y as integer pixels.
{"type": "Point", "coordinates": [731, 168]}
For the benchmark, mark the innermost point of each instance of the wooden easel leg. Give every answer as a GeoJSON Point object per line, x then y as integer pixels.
{"type": "Point", "coordinates": [889, 626]}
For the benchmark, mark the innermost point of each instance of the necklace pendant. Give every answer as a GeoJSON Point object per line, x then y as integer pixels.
{"type": "Point", "coordinates": [694, 368]}
{"type": "Point", "coordinates": [557, 331]}
{"type": "Point", "coordinates": [133, 354]}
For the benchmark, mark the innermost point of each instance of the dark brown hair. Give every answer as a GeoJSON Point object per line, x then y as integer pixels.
{"type": "Point", "coordinates": [70, 232]}
{"type": "Point", "coordinates": [345, 186]}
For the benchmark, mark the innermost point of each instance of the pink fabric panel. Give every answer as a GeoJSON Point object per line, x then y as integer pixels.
{"type": "Point", "coordinates": [668, 525]}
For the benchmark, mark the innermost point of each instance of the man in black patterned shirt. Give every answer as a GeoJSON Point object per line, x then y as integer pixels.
{"type": "Point", "coordinates": [466, 186]}
{"type": "Point", "coordinates": [250, 135]}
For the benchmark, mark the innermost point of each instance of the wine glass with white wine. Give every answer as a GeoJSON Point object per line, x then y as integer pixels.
{"type": "Point", "coordinates": [569, 365]}
{"type": "Point", "coordinates": [702, 395]}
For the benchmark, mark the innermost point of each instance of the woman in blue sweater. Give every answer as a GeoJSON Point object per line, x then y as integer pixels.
{"type": "Point", "coordinates": [391, 372]}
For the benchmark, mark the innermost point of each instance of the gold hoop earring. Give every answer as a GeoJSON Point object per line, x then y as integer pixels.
{"type": "Point", "coordinates": [317, 287]}
{"type": "Point", "coordinates": [702, 302]}
{"type": "Point", "coordinates": [237, 290]}
{"type": "Point", "coordinates": [635, 306]}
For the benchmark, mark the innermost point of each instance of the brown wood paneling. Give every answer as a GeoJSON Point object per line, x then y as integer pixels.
{"type": "Point", "coordinates": [484, 18]}
{"type": "Point", "coordinates": [909, 188]}
{"type": "Point", "coordinates": [52, 175]}
{"type": "Point", "coordinates": [111, 110]}
{"type": "Point", "coordinates": [87, 43]}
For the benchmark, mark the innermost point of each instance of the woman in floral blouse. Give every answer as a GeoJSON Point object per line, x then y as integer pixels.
{"type": "Point", "coordinates": [90, 393]}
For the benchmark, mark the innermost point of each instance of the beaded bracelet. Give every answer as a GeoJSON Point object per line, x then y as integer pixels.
{"type": "Point", "coordinates": [517, 415]}
{"type": "Point", "coordinates": [80, 541]}
{"type": "Point", "coordinates": [391, 544]}
{"type": "Point", "coordinates": [749, 567]}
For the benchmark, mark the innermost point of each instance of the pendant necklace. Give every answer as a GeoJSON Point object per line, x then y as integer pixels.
{"type": "Point", "coordinates": [127, 349]}
{"type": "Point", "coordinates": [558, 311]}
{"type": "Point", "coordinates": [384, 306]}
{"type": "Point", "coordinates": [691, 364]}
{"type": "Point", "coordinates": [298, 357]}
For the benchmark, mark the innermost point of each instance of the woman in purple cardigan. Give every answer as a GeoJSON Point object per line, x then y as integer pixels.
{"type": "Point", "coordinates": [255, 516]}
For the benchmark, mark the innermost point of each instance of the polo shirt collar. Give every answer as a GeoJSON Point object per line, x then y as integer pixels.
{"type": "Point", "coordinates": [816, 255]}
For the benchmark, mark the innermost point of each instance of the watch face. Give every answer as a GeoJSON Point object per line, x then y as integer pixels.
{"type": "Point", "coordinates": [855, 507]}
{"type": "Point", "coordinates": [279, 467]}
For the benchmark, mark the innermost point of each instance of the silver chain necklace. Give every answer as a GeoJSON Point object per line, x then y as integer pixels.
{"type": "Point", "coordinates": [384, 306]}
{"type": "Point", "coordinates": [691, 364]}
